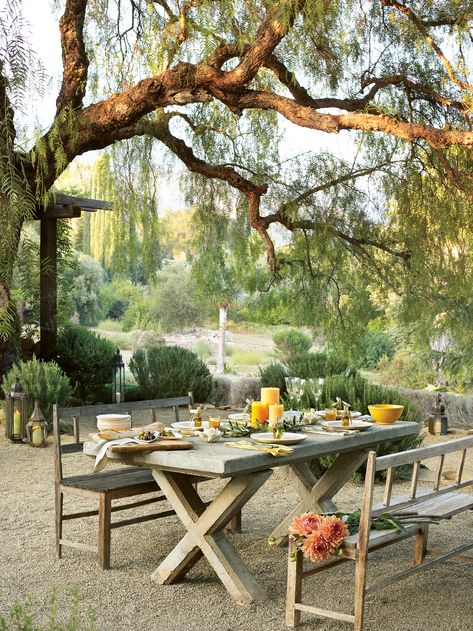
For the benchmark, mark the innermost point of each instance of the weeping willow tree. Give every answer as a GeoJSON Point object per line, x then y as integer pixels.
{"type": "Point", "coordinates": [211, 81]}
{"type": "Point", "coordinates": [125, 241]}
{"type": "Point", "coordinates": [227, 255]}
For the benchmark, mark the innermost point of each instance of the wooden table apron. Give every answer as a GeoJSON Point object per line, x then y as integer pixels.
{"type": "Point", "coordinates": [175, 472]}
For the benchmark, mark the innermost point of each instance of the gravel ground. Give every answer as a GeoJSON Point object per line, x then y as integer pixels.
{"type": "Point", "coordinates": [125, 598]}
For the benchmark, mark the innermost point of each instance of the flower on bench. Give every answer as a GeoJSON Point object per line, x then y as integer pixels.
{"type": "Point", "coordinates": [321, 537]}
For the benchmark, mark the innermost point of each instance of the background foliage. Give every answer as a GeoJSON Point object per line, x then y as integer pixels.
{"type": "Point", "coordinates": [40, 380]}
{"type": "Point", "coordinates": [171, 371]}
{"type": "Point", "coordinates": [86, 358]}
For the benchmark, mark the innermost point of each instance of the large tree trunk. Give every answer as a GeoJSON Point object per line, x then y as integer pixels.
{"type": "Point", "coordinates": [222, 338]}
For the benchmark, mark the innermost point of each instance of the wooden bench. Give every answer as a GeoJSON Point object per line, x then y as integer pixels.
{"type": "Point", "coordinates": [105, 486]}
{"type": "Point", "coordinates": [439, 501]}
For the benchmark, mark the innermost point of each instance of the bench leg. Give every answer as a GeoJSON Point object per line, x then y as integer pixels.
{"type": "Point", "coordinates": [360, 586]}
{"type": "Point", "coordinates": [420, 545]}
{"type": "Point", "coordinates": [294, 584]}
{"type": "Point", "coordinates": [105, 511]}
{"type": "Point", "coordinates": [59, 500]}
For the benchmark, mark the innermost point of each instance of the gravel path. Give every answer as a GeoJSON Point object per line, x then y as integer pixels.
{"type": "Point", "coordinates": [124, 597]}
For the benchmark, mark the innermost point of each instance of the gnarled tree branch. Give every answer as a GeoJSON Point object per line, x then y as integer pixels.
{"type": "Point", "coordinates": [409, 13]}
{"type": "Point", "coordinates": [74, 56]}
{"type": "Point", "coordinates": [334, 123]}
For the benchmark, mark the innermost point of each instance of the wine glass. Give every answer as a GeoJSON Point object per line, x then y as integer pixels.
{"type": "Point", "coordinates": [315, 388]}
{"type": "Point", "coordinates": [292, 389]}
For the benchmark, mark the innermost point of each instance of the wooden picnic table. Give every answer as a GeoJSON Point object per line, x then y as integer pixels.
{"type": "Point", "coordinates": [246, 471]}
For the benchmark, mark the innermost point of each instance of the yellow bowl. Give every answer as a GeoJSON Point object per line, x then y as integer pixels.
{"type": "Point", "coordinates": [385, 413]}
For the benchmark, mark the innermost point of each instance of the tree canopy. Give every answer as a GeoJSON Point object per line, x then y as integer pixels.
{"type": "Point", "coordinates": [217, 82]}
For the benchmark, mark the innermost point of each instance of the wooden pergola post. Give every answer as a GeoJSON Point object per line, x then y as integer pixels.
{"type": "Point", "coordinates": [48, 288]}
{"type": "Point", "coordinates": [61, 207]}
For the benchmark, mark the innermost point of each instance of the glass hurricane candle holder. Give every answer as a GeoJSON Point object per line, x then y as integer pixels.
{"type": "Point", "coordinates": [37, 427]}
{"type": "Point", "coordinates": [15, 413]}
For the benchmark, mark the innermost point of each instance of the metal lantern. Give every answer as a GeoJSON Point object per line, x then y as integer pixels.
{"type": "Point", "coordinates": [118, 378]}
{"type": "Point", "coordinates": [438, 420]}
{"type": "Point", "coordinates": [37, 427]}
{"type": "Point", "coordinates": [15, 413]}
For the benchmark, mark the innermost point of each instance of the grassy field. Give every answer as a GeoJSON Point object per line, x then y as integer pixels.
{"type": "Point", "coordinates": [249, 347]}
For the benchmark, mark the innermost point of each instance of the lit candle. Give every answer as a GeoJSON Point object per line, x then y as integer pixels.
{"type": "Point", "coordinates": [275, 413]}
{"type": "Point", "coordinates": [259, 413]}
{"type": "Point", "coordinates": [17, 423]}
{"type": "Point", "coordinates": [118, 397]}
{"type": "Point", "coordinates": [37, 435]}
{"type": "Point", "coordinates": [270, 395]}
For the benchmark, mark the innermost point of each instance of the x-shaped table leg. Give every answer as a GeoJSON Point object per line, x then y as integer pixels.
{"type": "Point", "coordinates": [316, 494]}
{"type": "Point", "coordinates": [205, 536]}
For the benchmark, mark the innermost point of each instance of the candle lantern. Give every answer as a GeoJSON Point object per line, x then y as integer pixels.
{"type": "Point", "coordinates": [15, 413]}
{"type": "Point", "coordinates": [37, 427]}
{"type": "Point", "coordinates": [118, 378]}
{"type": "Point", "coordinates": [438, 421]}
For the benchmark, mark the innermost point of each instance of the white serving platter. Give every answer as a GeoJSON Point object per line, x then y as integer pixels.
{"type": "Point", "coordinates": [239, 417]}
{"type": "Point", "coordinates": [288, 438]}
{"type": "Point", "coordinates": [338, 425]}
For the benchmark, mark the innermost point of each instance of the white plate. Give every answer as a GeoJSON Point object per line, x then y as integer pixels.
{"type": "Point", "coordinates": [145, 442]}
{"type": "Point", "coordinates": [288, 438]}
{"type": "Point", "coordinates": [338, 425]}
{"type": "Point", "coordinates": [113, 417]}
{"type": "Point", "coordinates": [339, 414]}
{"type": "Point", "coordinates": [189, 425]}
{"type": "Point", "coordinates": [239, 417]}
{"type": "Point", "coordinates": [175, 435]}
{"type": "Point", "coordinates": [113, 421]}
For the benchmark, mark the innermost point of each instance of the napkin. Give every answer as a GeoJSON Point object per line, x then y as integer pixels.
{"type": "Point", "coordinates": [274, 450]}
{"type": "Point", "coordinates": [100, 451]}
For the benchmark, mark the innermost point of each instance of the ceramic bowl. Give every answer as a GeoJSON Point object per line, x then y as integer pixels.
{"type": "Point", "coordinates": [385, 413]}
{"type": "Point", "coordinates": [210, 435]}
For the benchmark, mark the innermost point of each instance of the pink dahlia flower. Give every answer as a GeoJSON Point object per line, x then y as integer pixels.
{"type": "Point", "coordinates": [304, 524]}
{"type": "Point", "coordinates": [334, 531]}
{"type": "Point", "coordinates": [316, 547]}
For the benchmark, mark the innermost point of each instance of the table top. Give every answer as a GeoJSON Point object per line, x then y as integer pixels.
{"type": "Point", "coordinates": [217, 460]}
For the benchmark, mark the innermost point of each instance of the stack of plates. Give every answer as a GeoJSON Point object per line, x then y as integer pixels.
{"type": "Point", "coordinates": [113, 421]}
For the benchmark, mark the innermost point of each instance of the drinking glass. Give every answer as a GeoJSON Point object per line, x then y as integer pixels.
{"type": "Point", "coordinates": [315, 388]}
{"type": "Point", "coordinates": [330, 414]}
{"type": "Point", "coordinates": [214, 421]}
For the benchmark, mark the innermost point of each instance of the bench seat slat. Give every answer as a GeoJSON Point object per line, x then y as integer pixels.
{"type": "Point", "coordinates": [443, 506]}
{"type": "Point", "coordinates": [381, 537]}
{"type": "Point", "coordinates": [111, 480]}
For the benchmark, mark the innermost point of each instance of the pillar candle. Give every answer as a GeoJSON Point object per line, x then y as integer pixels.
{"type": "Point", "coordinates": [275, 413]}
{"type": "Point", "coordinates": [37, 435]}
{"type": "Point", "coordinates": [118, 397]}
{"type": "Point", "coordinates": [259, 413]}
{"type": "Point", "coordinates": [270, 395]}
{"type": "Point", "coordinates": [17, 423]}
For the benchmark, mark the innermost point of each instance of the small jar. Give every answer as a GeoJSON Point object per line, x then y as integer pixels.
{"type": "Point", "coordinates": [330, 414]}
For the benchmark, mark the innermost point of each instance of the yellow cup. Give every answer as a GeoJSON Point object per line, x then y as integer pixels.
{"type": "Point", "coordinates": [214, 422]}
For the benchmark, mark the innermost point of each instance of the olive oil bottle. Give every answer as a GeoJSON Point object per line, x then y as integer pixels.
{"type": "Point", "coordinates": [198, 417]}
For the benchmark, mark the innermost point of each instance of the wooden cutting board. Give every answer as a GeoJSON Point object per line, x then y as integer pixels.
{"type": "Point", "coordinates": [159, 445]}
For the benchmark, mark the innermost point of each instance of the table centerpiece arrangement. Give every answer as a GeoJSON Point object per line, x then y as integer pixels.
{"type": "Point", "coordinates": [266, 415]}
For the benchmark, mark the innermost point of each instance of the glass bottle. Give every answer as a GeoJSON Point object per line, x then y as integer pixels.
{"type": "Point", "coordinates": [345, 416]}
{"type": "Point", "coordinates": [198, 417]}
